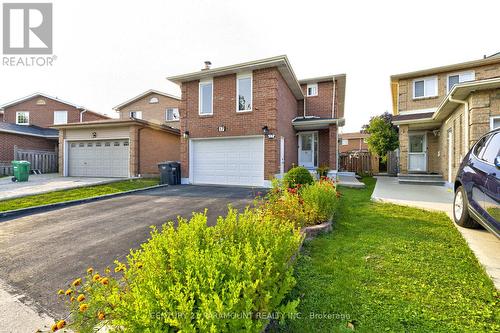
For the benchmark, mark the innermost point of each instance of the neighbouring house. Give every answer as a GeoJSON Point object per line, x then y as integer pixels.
{"type": "Point", "coordinates": [153, 106]}
{"type": "Point", "coordinates": [245, 124]}
{"type": "Point", "coordinates": [353, 142]}
{"type": "Point", "coordinates": [115, 148]}
{"type": "Point", "coordinates": [354, 154]}
{"type": "Point", "coordinates": [25, 132]}
{"type": "Point", "coordinates": [442, 111]}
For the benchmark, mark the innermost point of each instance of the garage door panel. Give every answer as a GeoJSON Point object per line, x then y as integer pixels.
{"type": "Point", "coordinates": [231, 161]}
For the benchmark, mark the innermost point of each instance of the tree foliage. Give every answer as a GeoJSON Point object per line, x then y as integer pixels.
{"type": "Point", "coordinates": [383, 135]}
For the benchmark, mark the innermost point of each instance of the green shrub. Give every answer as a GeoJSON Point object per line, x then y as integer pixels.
{"type": "Point", "coordinates": [298, 176]}
{"type": "Point", "coordinates": [195, 278]}
{"type": "Point", "coordinates": [322, 198]}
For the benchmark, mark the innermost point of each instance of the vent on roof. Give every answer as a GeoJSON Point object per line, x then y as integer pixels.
{"type": "Point", "coordinates": [207, 65]}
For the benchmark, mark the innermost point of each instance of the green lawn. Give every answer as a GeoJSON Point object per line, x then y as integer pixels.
{"type": "Point", "coordinates": [389, 268]}
{"type": "Point", "coordinates": [77, 193]}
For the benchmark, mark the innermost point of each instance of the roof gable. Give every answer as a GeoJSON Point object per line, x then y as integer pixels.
{"type": "Point", "coordinates": [143, 95]}
{"type": "Point", "coordinates": [38, 94]}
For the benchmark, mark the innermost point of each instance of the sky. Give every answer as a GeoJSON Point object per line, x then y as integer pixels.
{"type": "Point", "coordinates": [110, 51]}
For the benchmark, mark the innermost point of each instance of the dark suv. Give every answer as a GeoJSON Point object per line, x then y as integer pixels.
{"type": "Point", "coordinates": [477, 185]}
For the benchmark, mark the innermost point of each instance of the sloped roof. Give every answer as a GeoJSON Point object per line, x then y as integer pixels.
{"type": "Point", "coordinates": [144, 94]}
{"type": "Point", "coordinates": [22, 99]}
{"type": "Point", "coordinates": [29, 130]}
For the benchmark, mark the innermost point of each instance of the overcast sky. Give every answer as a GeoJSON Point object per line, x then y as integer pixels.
{"type": "Point", "coordinates": [110, 51]}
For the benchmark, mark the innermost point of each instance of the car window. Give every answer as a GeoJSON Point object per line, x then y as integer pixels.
{"type": "Point", "coordinates": [479, 148]}
{"type": "Point", "coordinates": [492, 149]}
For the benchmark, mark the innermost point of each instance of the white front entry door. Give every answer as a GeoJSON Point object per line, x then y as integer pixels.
{"type": "Point", "coordinates": [308, 146]}
{"type": "Point", "coordinates": [228, 161]}
{"type": "Point", "coordinates": [417, 156]}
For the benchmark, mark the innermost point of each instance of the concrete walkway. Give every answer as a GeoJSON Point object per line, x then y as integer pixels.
{"type": "Point", "coordinates": [485, 246]}
{"type": "Point", "coordinates": [38, 184]}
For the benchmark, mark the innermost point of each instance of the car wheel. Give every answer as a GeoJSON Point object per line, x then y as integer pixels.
{"type": "Point", "coordinates": [461, 210]}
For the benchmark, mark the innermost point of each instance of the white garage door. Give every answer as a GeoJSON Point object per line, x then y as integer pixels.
{"type": "Point", "coordinates": [109, 158]}
{"type": "Point", "coordinates": [235, 161]}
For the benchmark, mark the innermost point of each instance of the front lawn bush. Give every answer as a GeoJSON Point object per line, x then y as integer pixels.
{"type": "Point", "coordinates": [298, 176]}
{"type": "Point", "coordinates": [321, 197]}
{"type": "Point", "coordinates": [194, 278]}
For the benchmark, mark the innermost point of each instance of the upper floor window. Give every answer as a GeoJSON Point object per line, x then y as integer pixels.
{"type": "Point", "coordinates": [244, 92]}
{"type": "Point", "coordinates": [459, 78]}
{"type": "Point", "coordinates": [60, 117]}
{"type": "Point", "coordinates": [425, 87]}
{"type": "Point", "coordinates": [22, 118]}
{"type": "Point", "coordinates": [206, 96]}
{"type": "Point", "coordinates": [172, 114]}
{"type": "Point", "coordinates": [136, 114]}
{"type": "Point", "coordinates": [154, 100]}
{"type": "Point", "coordinates": [345, 142]}
{"type": "Point", "coordinates": [312, 89]}
{"type": "Point", "coordinates": [494, 122]}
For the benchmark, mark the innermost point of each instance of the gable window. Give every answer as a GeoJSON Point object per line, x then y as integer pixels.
{"type": "Point", "coordinates": [459, 78]}
{"type": "Point", "coordinates": [22, 118]}
{"type": "Point", "coordinates": [312, 89]}
{"type": "Point", "coordinates": [60, 117]}
{"type": "Point", "coordinates": [172, 114]}
{"type": "Point", "coordinates": [345, 142]}
{"type": "Point", "coordinates": [41, 102]}
{"type": "Point", "coordinates": [154, 100]}
{"type": "Point", "coordinates": [244, 92]}
{"type": "Point", "coordinates": [494, 122]}
{"type": "Point", "coordinates": [206, 97]}
{"type": "Point", "coordinates": [136, 114]}
{"type": "Point", "coordinates": [426, 87]}
{"type": "Point", "coordinates": [365, 140]}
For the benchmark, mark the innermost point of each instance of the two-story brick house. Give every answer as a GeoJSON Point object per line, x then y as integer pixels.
{"type": "Point", "coordinates": [25, 123]}
{"type": "Point", "coordinates": [247, 123]}
{"type": "Point", "coordinates": [153, 106]}
{"type": "Point", "coordinates": [442, 111]}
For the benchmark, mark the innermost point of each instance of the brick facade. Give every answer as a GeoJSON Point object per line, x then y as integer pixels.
{"type": "Point", "coordinates": [353, 144]}
{"type": "Point", "coordinates": [10, 140]}
{"type": "Point", "coordinates": [322, 104]}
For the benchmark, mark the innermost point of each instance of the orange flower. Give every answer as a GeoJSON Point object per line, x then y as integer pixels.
{"type": "Point", "coordinates": [105, 281]}
{"type": "Point", "coordinates": [101, 315]}
{"type": "Point", "coordinates": [96, 278]}
{"type": "Point", "coordinates": [72, 299]}
{"type": "Point", "coordinates": [90, 270]}
{"type": "Point", "coordinates": [61, 324]}
{"type": "Point", "coordinates": [84, 307]}
{"type": "Point", "coordinates": [80, 298]}
{"type": "Point", "coordinates": [77, 282]}
{"type": "Point", "coordinates": [68, 292]}
{"type": "Point", "coordinates": [53, 328]}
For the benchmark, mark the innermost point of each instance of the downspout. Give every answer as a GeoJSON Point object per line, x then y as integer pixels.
{"type": "Point", "coordinates": [466, 121]}
{"type": "Point", "coordinates": [336, 125]}
{"type": "Point", "coordinates": [81, 114]}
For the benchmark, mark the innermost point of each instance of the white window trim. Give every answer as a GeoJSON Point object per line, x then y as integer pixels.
{"type": "Point", "coordinates": [492, 119]}
{"type": "Point", "coordinates": [203, 83]}
{"type": "Point", "coordinates": [166, 114]}
{"type": "Point", "coordinates": [458, 73]}
{"type": "Point", "coordinates": [424, 79]}
{"type": "Point", "coordinates": [154, 100]}
{"type": "Point", "coordinates": [130, 114]}
{"type": "Point", "coordinates": [59, 111]}
{"type": "Point", "coordinates": [27, 116]}
{"type": "Point", "coordinates": [243, 76]}
{"type": "Point", "coordinates": [345, 142]}
{"type": "Point", "coordinates": [312, 85]}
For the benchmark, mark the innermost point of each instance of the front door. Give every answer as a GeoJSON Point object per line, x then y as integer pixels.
{"type": "Point", "coordinates": [308, 145]}
{"type": "Point", "coordinates": [417, 156]}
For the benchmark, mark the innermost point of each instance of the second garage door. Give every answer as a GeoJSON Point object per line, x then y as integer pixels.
{"type": "Point", "coordinates": [234, 161]}
{"type": "Point", "coordinates": [109, 158]}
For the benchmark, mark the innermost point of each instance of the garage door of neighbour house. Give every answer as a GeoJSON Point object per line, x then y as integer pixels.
{"type": "Point", "coordinates": [232, 161]}
{"type": "Point", "coordinates": [107, 158]}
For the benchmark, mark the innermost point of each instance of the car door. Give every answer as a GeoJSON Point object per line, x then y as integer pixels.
{"type": "Point", "coordinates": [491, 193]}
{"type": "Point", "coordinates": [475, 176]}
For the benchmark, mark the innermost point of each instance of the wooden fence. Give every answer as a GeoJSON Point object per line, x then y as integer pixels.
{"type": "Point", "coordinates": [359, 162]}
{"type": "Point", "coordinates": [42, 160]}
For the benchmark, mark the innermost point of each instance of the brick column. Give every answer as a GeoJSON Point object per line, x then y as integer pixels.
{"type": "Point", "coordinates": [403, 149]}
{"type": "Point", "coordinates": [332, 149]}
{"type": "Point", "coordinates": [61, 152]}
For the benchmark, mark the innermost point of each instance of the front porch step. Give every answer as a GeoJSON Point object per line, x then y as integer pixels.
{"type": "Point", "coordinates": [421, 179]}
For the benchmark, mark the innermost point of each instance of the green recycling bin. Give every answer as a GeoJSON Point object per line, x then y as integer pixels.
{"type": "Point", "coordinates": [21, 170]}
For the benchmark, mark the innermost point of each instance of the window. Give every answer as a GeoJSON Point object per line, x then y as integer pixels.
{"type": "Point", "coordinates": [365, 140]}
{"type": "Point", "coordinates": [125, 144]}
{"type": "Point", "coordinates": [312, 89]}
{"type": "Point", "coordinates": [98, 144]}
{"type": "Point", "coordinates": [492, 149]}
{"type": "Point", "coordinates": [154, 100]}
{"type": "Point", "coordinates": [22, 118]}
{"type": "Point", "coordinates": [116, 144]}
{"type": "Point", "coordinates": [244, 92]}
{"type": "Point", "coordinates": [426, 87]}
{"type": "Point", "coordinates": [90, 144]}
{"type": "Point", "coordinates": [41, 102]}
{"type": "Point", "coordinates": [81, 145]}
{"type": "Point", "coordinates": [60, 117]}
{"type": "Point", "coordinates": [494, 122]}
{"type": "Point", "coordinates": [479, 148]}
{"type": "Point", "coordinates": [172, 114]}
{"type": "Point", "coordinates": [136, 114]}
{"type": "Point", "coordinates": [345, 142]}
{"type": "Point", "coordinates": [459, 78]}
{"type": "Point", "coordinates": [205, 98]}
{"type": "Point", "coordinates": [107, 144]}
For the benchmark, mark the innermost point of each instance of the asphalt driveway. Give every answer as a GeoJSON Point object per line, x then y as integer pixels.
{"type": "Point", "coordinates": [42, 253]}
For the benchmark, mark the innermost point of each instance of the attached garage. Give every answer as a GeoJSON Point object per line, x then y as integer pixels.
{"type": "Point", "coordinates": [108, 158]}
{"type": "Point", "coordinates": [228, 161]}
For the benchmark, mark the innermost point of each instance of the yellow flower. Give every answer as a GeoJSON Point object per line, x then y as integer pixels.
{"type": "Point", "coordinates": [84, 307]}
{"type": "Point", "coordinates": [80, 298]}
{"type": "Point", "coordinates": [105, 281]}
{"type": "Point", "coordinates": [77, 282]}
{"type": "Point", "coordinates": [101, 315]}
{"type": "Point", "coordinates": [107, 270]}
{"type": "Point", "coordinates": [96, 278]}
{"type": "Point", "coordinates": [68, 292]}
{"type": "Point", "coordinates": [72, 299]}
{"type": "Point", "coordinates": [90, 270]}
{"type": "Point", "coordinates": [53, 328]}
{"type": "Point", "coordinates": [60, 292]}
{"type": "Point", "coordinates": [61, 324]}
{"type": "Point", "coordinates": [139, 265]}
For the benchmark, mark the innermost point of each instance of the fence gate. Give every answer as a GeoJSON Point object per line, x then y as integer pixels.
{"type": "Point", "coordinates": [359, 162]}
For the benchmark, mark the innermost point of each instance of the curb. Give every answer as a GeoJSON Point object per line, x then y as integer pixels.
{"type": "Point", "coordinates": [44, 208]}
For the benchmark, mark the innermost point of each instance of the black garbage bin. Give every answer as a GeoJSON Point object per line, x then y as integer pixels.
{"type": "Point", "coordinates": [170, 172]}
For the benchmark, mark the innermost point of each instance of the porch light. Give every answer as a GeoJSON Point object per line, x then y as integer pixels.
{"type": "Point", "coordinates": [185, 135]}
{"type": "Point", "coordinates": [265, 130]}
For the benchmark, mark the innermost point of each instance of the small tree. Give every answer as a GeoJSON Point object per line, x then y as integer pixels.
{"type": "Point", "coordinates": [383, 135]}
